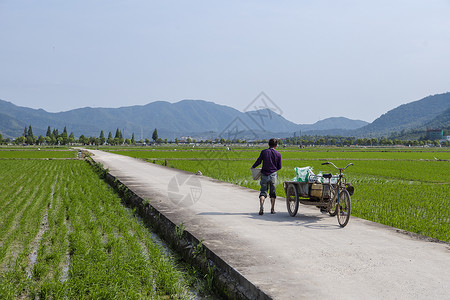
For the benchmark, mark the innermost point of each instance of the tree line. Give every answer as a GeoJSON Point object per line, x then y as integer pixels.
{"type": "Point", "coordinates": [54, 137]}
{"type": "Point", "coordinates": [352, 141]}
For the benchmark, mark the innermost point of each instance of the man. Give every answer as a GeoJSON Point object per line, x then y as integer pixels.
{"type": "Point", "coordinates": [271, 160]}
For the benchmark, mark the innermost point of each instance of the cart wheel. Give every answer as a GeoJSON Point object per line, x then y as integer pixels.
{"type": "Point", "coordinates": [292, 200]}
{"type": "Point", "coordinates": [332, 206]}
{"type": "Point", "coordinates": [343, 209]}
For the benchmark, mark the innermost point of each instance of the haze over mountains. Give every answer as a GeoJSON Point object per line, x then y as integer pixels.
{"type": "Point", "coordinates": [207, 120]}
{"type": "Point", "coordinates": [196, 118]}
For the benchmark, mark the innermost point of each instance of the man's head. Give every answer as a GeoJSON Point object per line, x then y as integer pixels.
{"type": "Point", "coordinates": [273, 142]}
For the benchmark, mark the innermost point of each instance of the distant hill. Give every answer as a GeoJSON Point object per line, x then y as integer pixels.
{"type": "Point", "coordinates": [9, 125]}
{"type": "Point", "coordinates": [334, 123]}
{"type": "Point", "coordinates": [441, 121]}
{"type": "Point", "coordinates": [409, 116]}
{"type": "Point", "coordinates": [196, 118]}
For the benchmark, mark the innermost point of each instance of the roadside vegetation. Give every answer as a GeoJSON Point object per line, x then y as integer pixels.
{"type": "Point", "coordinates": [64, 234]}
{"type": "Point", "coordinates": [407, 188]}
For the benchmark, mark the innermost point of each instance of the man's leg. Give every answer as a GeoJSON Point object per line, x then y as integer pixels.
{"type": "Point", "coordinates": [261, 204]}
{"type": "Point", "coordinates": [273, 193]}
{"type": "Point", "coordinates": [272, 201]}
{"type": "Point", "coordinates": [263, 193]}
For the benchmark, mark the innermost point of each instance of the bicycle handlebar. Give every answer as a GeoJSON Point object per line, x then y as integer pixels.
{"type": "Point", "coordinates": [341, 169]}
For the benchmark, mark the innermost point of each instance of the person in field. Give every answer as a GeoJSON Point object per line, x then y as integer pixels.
{"type": "Point", "coordinates": [271, 163]}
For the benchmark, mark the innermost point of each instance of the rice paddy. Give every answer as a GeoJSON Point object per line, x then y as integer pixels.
{"type": "Point", "coordinates": [407, 188]}
{"type": "Point", "coordinates": [64, 234]}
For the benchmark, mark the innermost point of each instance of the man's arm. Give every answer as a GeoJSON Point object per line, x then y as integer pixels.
{"type": "Point", "coordinates": [279, 161]}
{"type": "Point", "coordinates": [258, 161]}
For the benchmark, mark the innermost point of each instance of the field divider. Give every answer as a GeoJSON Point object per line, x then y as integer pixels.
{"type": "Point", "coordinates": [15, 225]}
{"type": "Point", "coordinates": [35, 244]}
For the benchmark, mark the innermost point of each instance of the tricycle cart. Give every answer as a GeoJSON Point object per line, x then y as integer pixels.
{"type": "Point", "coordinates": [331, 193]}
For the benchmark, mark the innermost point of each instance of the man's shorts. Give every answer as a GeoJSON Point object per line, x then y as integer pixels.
{"type": "Point", "coordinates": [268, 182]}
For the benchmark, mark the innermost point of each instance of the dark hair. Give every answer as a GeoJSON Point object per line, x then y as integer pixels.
{"type": "Point", "coordinates": [273, 142]}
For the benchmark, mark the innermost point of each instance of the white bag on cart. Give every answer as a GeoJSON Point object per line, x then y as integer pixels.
{"type": "Point", "coordinates": [303, 174]}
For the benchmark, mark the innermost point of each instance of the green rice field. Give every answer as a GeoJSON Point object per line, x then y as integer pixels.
{"type": "Point", "coordinates": [407, 188]}
{"type": "Point", "coordinates": [36, 154]}
{"type": "Point", "coordinates": [64, 234]}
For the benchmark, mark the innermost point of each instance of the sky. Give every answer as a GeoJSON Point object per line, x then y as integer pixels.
{"type": "Point", "coordinates": [312, 59]}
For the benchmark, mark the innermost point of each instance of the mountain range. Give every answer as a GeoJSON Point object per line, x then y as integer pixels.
{"type": "Point", "coordinates": [206, 120]}
{"type": "Point", "coordinates": [429, 112]}
{"type": "Point", "coordinates": [195, 118]}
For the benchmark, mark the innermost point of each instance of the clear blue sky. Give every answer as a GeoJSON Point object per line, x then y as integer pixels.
{"type": "Point", "coordinates": [314, 59]}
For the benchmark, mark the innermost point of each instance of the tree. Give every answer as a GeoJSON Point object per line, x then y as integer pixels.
{"type": "Point", "coordinates": [49, 132]}
{"type": "Point", "coordinates": [83, 140]}
{"type": "Point", "coordinates": [71, 138]}
{"type": "Point", "coordinates": [155, 135]}
{"type": "Point", "coordinates": [117, 136]}
{"type": "Point", "coordinates": [94, 140]}
{"type": "Point", "coordinates": [132, 139]}
{"type": "Point", "coordinates": [53, 139]}
{"type": "Point", "coordinates": [64, 137]}
{"type": "Point", "coordinates": [118, 139]}
{"type": "Point", "coordinates": [110, 139]}
{"type": "Point", "coordinates": [41, 140]}
{"type": "Point", "coordinates": [30, 137]}
{"type": "Point", "coordinates": [102, 137]}
{"type": "Point", "coordinates": [121, 139]}
{"type": "Point", "coordinates": [19, 140]}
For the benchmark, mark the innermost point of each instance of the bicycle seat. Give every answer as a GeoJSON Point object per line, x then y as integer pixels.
{"type": "Point", "coordinates": [328, 175]}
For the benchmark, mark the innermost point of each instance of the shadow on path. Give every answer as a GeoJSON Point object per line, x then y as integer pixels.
{"type": "Point", "coordinates": [308, 221]}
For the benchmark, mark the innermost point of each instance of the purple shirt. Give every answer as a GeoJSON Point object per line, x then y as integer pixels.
{"type": "Point", "coordinates": [271, 160]}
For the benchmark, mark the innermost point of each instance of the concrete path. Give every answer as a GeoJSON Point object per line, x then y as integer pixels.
{"type": "Point", "coordinates": [304, 257]}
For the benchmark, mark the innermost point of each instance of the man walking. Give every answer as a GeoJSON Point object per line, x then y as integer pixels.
{"type": "Point", "coordinates": [271, 160]}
